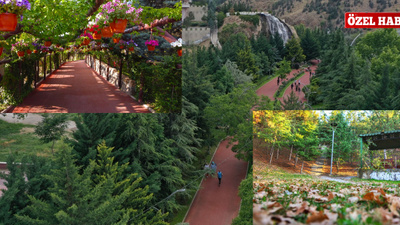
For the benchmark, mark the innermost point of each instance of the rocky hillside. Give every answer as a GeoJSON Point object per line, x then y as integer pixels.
{"type": "Point", "coordinates": [323, 13]}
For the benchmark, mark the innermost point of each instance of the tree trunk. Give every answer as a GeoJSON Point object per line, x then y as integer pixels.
{"type": "Point", "coordinates": [52, 147]}
{"type": "Point", "coordinates": [295, 164]}
{"type": "Point", "coordinates": [337, 166]}
{"type": "Point", "coordinates": [291, 150]}
{"type": "Point", "coordinates": [277, 153]}
{"type": "Point", "coordinates": [302, 165]}
{"type": "Point", "coordinates": [272, 154]}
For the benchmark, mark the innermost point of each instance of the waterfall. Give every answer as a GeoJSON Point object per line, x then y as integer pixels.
{"type": "Point", "coordinates": [275, 25]}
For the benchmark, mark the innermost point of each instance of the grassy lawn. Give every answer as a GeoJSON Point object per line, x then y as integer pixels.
{"type": "Point", "coordinates": [180, 215]}
{"type": "Point", "coordinates": [372, 181]}
{"type": "Point", "coordinates": [19, 139]}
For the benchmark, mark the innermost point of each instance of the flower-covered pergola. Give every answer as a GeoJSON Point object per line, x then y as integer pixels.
{"type": "Point", "coordinates": [102, 29]}
{"type": "Point", "coordinates": [65, 22]}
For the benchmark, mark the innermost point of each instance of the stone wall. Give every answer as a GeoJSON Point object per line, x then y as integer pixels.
{"type": "Point", "coordinates": [128, 85]}
{"type": "Point", "coordinates": [195, 35]}
{"type": "Point", "coordinates": [198, 12]}
{"type": "Point", "coordinates": [388, 174]}
{"type": "Point", "coordinates": [246, 13]}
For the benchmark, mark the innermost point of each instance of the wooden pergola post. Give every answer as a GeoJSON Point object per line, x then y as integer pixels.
{"type": "Point", "coordinates": [120, 75]}
{"type": "Point", "coordinates": [50, 63]}
{"type": "Point", "coordinates": [36, 70]}
{"type": "Point", "coordinates": [44, 67]}
{"type": "Point", "coordinates": [108, 69]}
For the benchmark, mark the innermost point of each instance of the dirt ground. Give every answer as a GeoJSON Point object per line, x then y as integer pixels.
{"type": "Point", "coordinates": [262, 157]}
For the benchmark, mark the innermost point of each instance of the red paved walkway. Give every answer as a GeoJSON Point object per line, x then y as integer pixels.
{"type": "Point", "coordinates": [304, 80]}
{"type": "Point", "coordinates": [76, 88]}
{"type": "Point", "coordinates": [215, 205]}
{"type": "Point", "coordinates": [271, 87]}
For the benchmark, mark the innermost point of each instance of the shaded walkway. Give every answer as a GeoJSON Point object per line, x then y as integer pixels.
{"type": "Point", "coordinates": [215, 205]}
{"type": "Point", "coordinates": [76, 88]}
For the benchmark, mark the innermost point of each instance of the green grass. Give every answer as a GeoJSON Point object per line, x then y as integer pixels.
{"type": "Point", "coordinates": [374, 181]}
{"type": "Point", "coordinates": [318, 106]}
{"type": "Point", "coordinates": [180, 215]}
{"type": "Point", "coordinates": [20, 140]}
{"type": "Point", "coordinates": [282, 174]}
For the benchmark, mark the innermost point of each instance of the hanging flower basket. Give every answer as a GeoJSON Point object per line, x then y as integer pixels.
{"type": "Point", "coordinates": [151, 44]}
{"type": "Point", "coordinates": [8, 21]}
{"type": "Point", "coordinates": [47, 43]}
{"type": "Point", "coordinates": [1, 50]}
{"type": "Point", "coordinates": [10, 10]}
{"type": "Point", "coordinates": [180, 52]}
{"type": "Point", "coordinates": [119, 25]}
{"type": "Point", "coordinates": [106, 32]}
{"type": "Point", "coordinates": [20, 53]}
{"type": "Point", "coordinates": [151, 48]}
{"type": "Point", "coordinates": [131, 49]}
{"type": "Point", "coordinates": [116, 40]}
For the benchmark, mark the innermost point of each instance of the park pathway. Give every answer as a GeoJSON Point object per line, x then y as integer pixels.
{"type": "Point", "coordinates": [270, 88]}
{"type": "Point", "coordinates": [215, 205]}
{"type": "Point", "coordinates": [76, 88]}
{"type": "Point", "coordinates": [317, 168]}
{"type": "Point", "coordinates": [304, 80]}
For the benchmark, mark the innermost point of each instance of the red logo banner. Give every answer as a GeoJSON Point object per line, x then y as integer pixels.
{"type": "Point", "coordinates": [372, 20]}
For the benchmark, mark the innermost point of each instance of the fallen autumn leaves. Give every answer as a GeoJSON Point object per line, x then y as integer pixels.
{"type": "Point", "coordinates": [311, 201]}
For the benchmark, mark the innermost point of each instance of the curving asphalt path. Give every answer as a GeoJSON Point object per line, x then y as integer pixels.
{"type": "Point", "coordinates": [77, 88]}
{"type": "Point", "coordinates": [215, 205]}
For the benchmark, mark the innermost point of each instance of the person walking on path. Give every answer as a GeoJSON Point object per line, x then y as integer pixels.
{"type": "Point", "coordinates": [219, 177]}
{"type": "Point", "coordinates": [206, 169]}
{"type": "Point", "coordinates": [277, 81]}
{"type": "Point", "coordinates": [291, 86]}
{"type": "Point", "coordinates": [214, 167]}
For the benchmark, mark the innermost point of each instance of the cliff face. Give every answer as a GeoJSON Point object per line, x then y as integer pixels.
{"type": "Point", "coordinates": [268, 25]}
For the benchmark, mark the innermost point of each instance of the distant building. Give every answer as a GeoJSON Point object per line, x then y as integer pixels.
{"type": "Point", "coordinates": [198, 11]}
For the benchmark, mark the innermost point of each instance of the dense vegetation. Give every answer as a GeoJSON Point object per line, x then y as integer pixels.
{"type": "Point", "coordinates": [127, 164]}
{"type": "Point", "coordinates": [363, 76]}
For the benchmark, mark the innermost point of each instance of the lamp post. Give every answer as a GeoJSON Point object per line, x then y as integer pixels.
{"type": "Point", "coordinates": [180, 190]}
{"type": "Point", "coordinates": [333, 125]}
